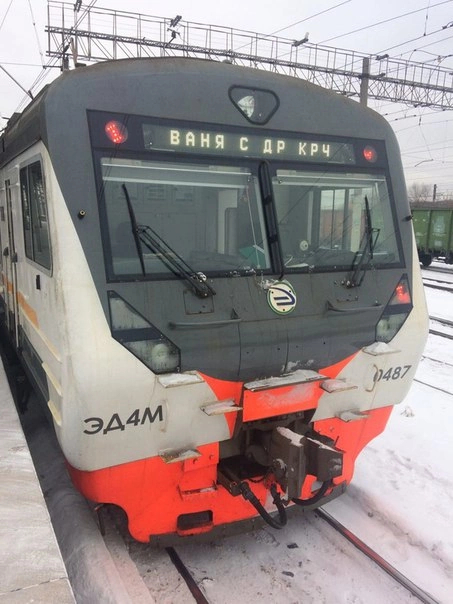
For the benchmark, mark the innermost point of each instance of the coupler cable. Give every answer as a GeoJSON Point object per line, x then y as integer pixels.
{"type": "Point", "coordinates": [248, 495]}
{"type": "Point", "coordinates": [316, 497]}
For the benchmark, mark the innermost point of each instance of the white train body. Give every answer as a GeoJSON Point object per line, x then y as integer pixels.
{"type": "Point", "coordinates": [134, 423]}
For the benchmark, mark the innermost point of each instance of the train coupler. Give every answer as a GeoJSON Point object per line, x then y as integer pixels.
{"type": "Point", "coordinates": [294, 456]}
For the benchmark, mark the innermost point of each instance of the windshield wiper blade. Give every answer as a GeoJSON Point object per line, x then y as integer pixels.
{"type": "Point", "coordinates": [368, 242]}
{"type": "Point", "coordinates": [178, 266]}
{"type": "Point", "coordinates": [265, 181]}
{"type": "Point", "coordinates": [133, 222]}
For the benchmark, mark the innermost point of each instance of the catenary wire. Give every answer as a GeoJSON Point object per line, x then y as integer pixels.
{"type": "Point", "coordinates": [6, 14]}
{"type": "Point", "coordinates": [41, 54]}
{"type": "Point", "coordinates": [384, 21]}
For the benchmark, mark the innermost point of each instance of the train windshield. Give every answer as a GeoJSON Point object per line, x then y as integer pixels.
{"type": "Point", "coordinates": [208, 215]}
{"type": "Point", "coordinates": [327, 219]}
{"type": "Point", "coordinates": [210, 218]}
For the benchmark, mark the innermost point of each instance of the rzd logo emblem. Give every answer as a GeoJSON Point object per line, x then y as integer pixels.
{"type": "Point", "coordinates": [281, 297]}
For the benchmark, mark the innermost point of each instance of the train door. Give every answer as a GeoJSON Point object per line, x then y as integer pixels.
{"type": "Point", "coordinates": [10, 267]}
{"type": "Point", "coordinates": [38, 320]}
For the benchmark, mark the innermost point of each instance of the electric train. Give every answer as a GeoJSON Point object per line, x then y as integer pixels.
{"type": "Point", "coordinates": [209, 273]}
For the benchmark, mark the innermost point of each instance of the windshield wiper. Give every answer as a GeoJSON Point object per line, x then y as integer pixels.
{"type": "Point", "coordinates": [133, 221]}
{"type": "Point", "coordinates": [174, 261]}
{"type": "Point", "coordinates": [144, 234]}
{"type": "Point", "coordinates": [265, 181]}
{"type": "Point", "coordinates": [365, 252]}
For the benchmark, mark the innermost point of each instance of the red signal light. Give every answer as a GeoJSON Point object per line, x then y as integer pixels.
{"type": "Point", "coordinates": [401, 295]}
{"type": "Point", "coordinates": [370, 154]}
{"type": "Point", "coordinates": [116, 132]}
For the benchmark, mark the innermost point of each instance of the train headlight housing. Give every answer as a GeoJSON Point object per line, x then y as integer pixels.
{"type": "Point", "coordinates": [142, 338]}
{"type": "Point", "coordinates": [395, 313]}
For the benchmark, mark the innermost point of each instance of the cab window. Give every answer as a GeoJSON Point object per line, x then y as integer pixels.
{"type": "Point", "coordinates": [35, 216]}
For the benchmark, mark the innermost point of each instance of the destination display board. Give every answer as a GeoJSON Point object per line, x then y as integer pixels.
{"type": "Point", "coordinates": [218, 142]}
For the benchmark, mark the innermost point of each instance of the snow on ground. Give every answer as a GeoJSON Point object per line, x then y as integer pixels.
{"type": "Point", "coordinates": [439, 306]}
{"type": "Point", "coordinates": [306, 562]}
{"type": "Point", "coordinates": [401, 499]}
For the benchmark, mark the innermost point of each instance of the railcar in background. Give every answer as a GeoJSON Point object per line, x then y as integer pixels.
{"type": "Point", "coordinates": [209, 272]}
{"type": "Point", "coordinates": [433, 227]}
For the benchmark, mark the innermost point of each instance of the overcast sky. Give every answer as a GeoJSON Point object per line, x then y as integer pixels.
{"type": "Point", "coordinates": [423, 35]}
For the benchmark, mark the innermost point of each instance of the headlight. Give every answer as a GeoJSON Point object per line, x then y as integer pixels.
{"type": "Point", "coordinates": [389, 326]}
{"type": "Point", "coordinates": [395, 313]}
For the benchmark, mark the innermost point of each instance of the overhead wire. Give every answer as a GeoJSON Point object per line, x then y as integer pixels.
{"type": "Point", "coordinates": [389, 20]}
{"type": "Point", "coordinates": [6, 14]}
{"type": "Point", "coordinates": [16, 63]}
{"type": "Point", "coordinates": [36, 33]}
{"type": "Point", "coordinates": [427, 124]}
{"type": "Point", "coordinates": [385, 21]}
{"type": "Point", "coordinates": [310, 17]}
{"type": "Point", "coordinates": [421, 48]}
{"type": "Point", "coordinates": [277, 31]}
{"type": "Point", "coordinates": [414, 40]}
{"type": "Point", "coordinates": [53, 60]}
{"type": "Point", "coordinates": [426, 16]}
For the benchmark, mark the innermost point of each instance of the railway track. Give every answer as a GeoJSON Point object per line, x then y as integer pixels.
{"type": "Point", "coordinates": [439, 287]}
{"type": "Point", "coordinates": [434, 279]}
{"type": "Point", "coordinates": [407, 584]}
{"type": "Point", "coordinates": [200, 598]}
{"type": "Point", "coordinates": [442, 334]}
{"type": "Point", "coordinates": [433, 387]}
{"type": "Point", "coordinates": [194, 579]}
{"type": "Point", "coordinates": [413, 589]}
{"type": "Point", "coordinates": [437, 269]}
{"type": "Point", "coordinates": [445, 322]}
{"type": "Point", "coordinates": [198, 595]}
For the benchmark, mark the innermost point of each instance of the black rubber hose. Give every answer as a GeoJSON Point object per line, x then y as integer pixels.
{"type": "Point", "coordinates": [248, 495]}
{"type": "Point", "coordinates": [317, 497]}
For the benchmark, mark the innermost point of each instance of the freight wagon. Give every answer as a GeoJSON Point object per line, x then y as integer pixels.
{"type": "Point", "coordinates": [433, 226]}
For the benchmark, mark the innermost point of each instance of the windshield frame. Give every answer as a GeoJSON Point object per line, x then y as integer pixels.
{"type": "Point", "coordinates": [276, 265]}
{"type": "Point", "coordinates": [165, 273]}
{"type": "Point", "coordinates": [372, 260]}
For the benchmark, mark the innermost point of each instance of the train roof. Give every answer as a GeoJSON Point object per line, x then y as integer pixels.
{"type": "Point", "coordinates": [135, 85]}
{"type": "Point", "coordinates": [22, 130]}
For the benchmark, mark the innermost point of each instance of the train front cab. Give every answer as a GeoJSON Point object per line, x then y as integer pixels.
{"type": "Point", "coordinates": [224, 318]}
{"type": "Point", "coordinates": [295, 338]}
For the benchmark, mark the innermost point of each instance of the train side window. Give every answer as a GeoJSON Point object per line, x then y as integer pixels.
{"type": "Point", "coordinates": [35, 216]}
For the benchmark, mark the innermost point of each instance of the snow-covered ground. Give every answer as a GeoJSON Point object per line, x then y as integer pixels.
{"type": "Point", "coordinates": [401, 499]}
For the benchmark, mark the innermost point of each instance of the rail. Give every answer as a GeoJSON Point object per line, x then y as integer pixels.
{"type": "Point", "coordinates": [422, 595]}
